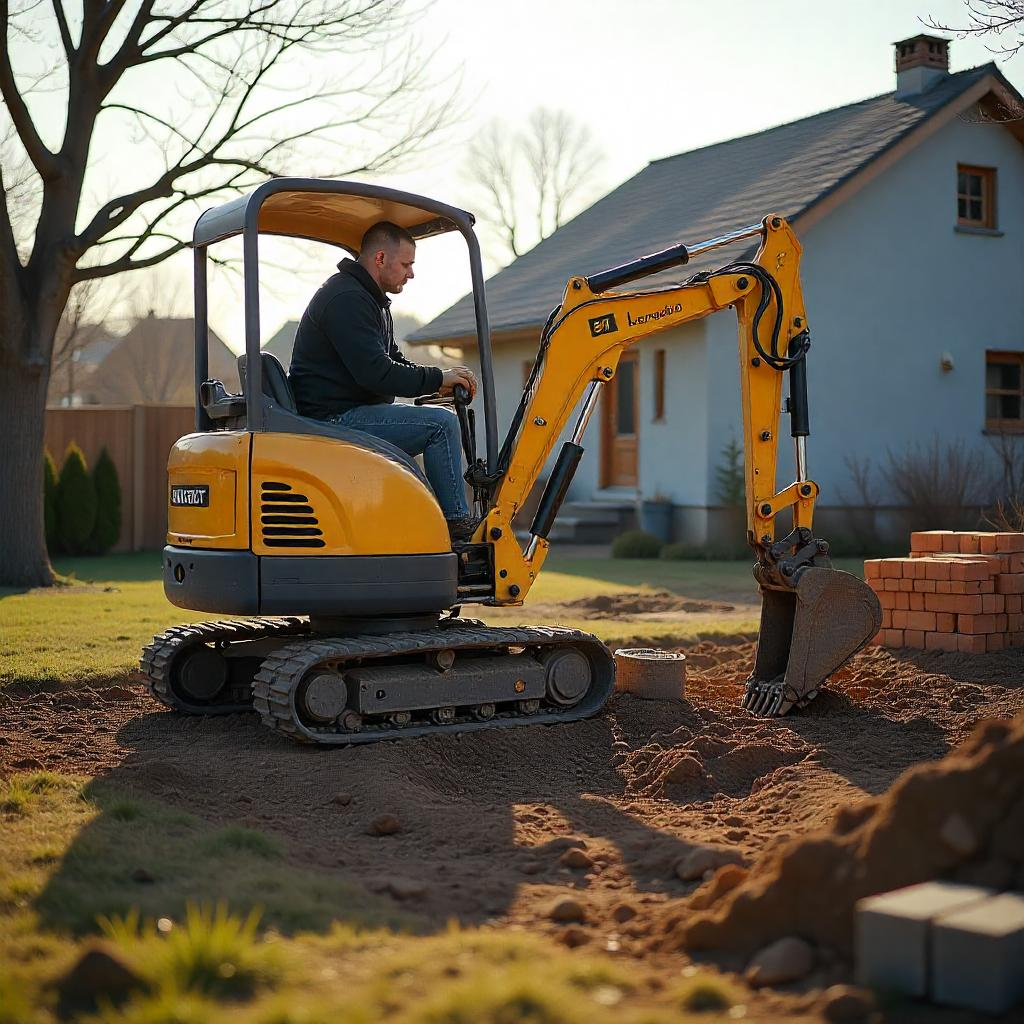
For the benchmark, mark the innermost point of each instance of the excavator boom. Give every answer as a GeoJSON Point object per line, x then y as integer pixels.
{"type": "Point", "coordinates": [814, 617]}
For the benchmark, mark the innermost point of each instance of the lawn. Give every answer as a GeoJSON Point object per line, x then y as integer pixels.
{"type": "Point", "coordinates": [93, 629]}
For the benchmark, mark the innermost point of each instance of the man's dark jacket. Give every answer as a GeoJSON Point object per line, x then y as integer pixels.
{"type": "Point", "coordinates": [345, 352]}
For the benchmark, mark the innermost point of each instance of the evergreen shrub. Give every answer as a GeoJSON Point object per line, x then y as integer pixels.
{"type": "Point", "coordinates": [50, 501]}
{"type": "Point", "coordinates": [76, 503]}
{"type": "Point", "coordinates": [107, 529]}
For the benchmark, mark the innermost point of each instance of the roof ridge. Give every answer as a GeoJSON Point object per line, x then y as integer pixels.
{"type": "Point", "coordinates": [810, 117]}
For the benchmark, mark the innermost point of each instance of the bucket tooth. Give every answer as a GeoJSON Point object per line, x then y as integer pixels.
{"type": "Point", "coordinates": [806, 634]}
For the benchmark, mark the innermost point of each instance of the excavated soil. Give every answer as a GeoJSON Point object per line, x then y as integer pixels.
{"type": "Point", "coordinates": [653, 798]}
{"type": "Point", "coordinates": [641, 602]}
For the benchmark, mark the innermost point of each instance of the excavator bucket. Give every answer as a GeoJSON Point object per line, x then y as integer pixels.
{"type": "Point", "coordinates": [808, 632]}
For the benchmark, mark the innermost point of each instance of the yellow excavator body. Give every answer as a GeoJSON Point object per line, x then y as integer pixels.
{"type": "Point", "coordinates": [334, 545]}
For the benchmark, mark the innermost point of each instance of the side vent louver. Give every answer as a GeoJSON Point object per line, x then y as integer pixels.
{"type": "Point", "coordinates": [287, 519]}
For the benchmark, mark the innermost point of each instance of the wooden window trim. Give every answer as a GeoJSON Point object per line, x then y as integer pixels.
{"type": "Point", "coordinates": [659, 385]}
{"type": "Point", "coordinates": [988, 218]}
{"type": "Point", "coordinates": [1014, 426]}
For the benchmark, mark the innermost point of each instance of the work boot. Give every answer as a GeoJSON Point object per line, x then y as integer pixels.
{"type": "Point", "coordinates": [462, 527]}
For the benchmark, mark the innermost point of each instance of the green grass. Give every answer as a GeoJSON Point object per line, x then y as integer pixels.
{"type": "Point", "coordinates": [245, 939]}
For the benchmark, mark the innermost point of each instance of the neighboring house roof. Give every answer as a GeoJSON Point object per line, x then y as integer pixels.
{"type": "Point", "coordinates": [790, 170]}
{"type": "Point", "coordinates": [153, 362]}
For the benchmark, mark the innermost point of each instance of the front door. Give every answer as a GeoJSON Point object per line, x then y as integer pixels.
{"type": "Point", "coordinates": [620, 425]}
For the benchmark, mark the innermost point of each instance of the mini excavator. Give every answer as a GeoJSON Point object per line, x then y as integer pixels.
{"type": "Point", "coordinates": [329, 553]}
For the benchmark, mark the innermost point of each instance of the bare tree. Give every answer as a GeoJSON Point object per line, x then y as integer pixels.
{"type": "Point", "coordinates": [532, 180]}
{"type": "Point", "coordinates": [990, 18]}
{"type": "Point", "coordinates": [214, 95]}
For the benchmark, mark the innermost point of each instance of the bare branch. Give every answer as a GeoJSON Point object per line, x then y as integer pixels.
{"type": "Point", "coordinates": [62, 25]}
{"type": "Point", "coordinates": [989, 18]}
{"type": "Point", "coordinates": [42, 159]}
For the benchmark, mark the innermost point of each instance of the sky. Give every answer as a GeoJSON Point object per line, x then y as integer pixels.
{"type": "Point", "coordinates": [650, 78]}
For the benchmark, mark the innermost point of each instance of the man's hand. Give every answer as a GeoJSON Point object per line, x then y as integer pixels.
{"type": "Point", "coordinates": [458, 375]}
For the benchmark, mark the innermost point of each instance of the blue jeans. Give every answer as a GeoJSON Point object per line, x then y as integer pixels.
{"type": "Point", "coordinates": [420, 430]}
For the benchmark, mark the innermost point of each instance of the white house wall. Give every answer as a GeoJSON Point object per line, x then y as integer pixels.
{"type": "Point", "coordinates": [890, 286]}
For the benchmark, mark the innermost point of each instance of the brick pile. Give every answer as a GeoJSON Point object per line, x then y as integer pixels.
{"type": "Point", "coordinates": [955, 592]}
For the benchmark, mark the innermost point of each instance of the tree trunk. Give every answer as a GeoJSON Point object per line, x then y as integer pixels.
{"type": "Point", "coordinates": [24, 561]}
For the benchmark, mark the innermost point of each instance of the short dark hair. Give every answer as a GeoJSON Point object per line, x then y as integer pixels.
{"type": "Point", "coordinates": [384, 235]}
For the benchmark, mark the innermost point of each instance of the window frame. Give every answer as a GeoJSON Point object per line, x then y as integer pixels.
{"type": "Point", "coordinates": [988, 218]}
{"type": "Point", "coordinates": [660, 359]}
{"type": "Point", "coordinates": [1012, 357]}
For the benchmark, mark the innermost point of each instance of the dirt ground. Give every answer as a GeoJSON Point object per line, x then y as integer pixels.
{"type": "Point", "coordinates": [487, 819]}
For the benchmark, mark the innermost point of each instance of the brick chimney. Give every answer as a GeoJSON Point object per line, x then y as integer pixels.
{"type": "Point", "coordinates": [921, 62]}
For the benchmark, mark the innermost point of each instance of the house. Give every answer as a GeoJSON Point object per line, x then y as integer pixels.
{"type": "Point", "coordinates": [910, 210]}
{"type": "Point", "coordinates": [78, 350]}
{"type": "Point", "coordinates": [153, 363]}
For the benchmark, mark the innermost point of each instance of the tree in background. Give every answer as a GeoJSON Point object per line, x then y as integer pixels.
{"type": "Point", "coordinates": [534, 179]}
{"type": "Point", "coordinates": [997, 18]}
{"type": "Point", "coordinates": [106, 530]}
{"type": "Point", "coordinates": [238, 100]}
{"type": "Point", "coordinates": [76, 503]}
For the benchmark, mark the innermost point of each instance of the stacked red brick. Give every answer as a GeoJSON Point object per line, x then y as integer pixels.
{"type": "Point", "coordinates": [956, 592]}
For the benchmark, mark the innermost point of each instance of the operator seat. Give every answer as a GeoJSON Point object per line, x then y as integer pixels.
{"type": "Point", "coordinates": [280, 413]}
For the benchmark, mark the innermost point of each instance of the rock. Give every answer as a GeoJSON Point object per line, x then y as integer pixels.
{"type": "Point", "coordinates": [384, 825]}
{"type": "Point", "coordinates": [100, 972]}
{"type": "Point", "coordinates": [724, 880]}
{"type": "Point", "coordinates": [958, 835]}
{"type": "Point", "coordinates": [623, 912]}
{"type": "Point", "coordinates": [788, 959]}
{"type": "Point", "coordinates": [576, 858]}
{"type": "Point", "coordinates": [342, 799]}
{"type": "Point", "coordinates": [733, 820]}
{"type": "Point", "coordinates": [531, 867]}
{"type": "Point", "coordinates": [736, 835]}
{"type": "Point", "coordinates": [846, 1004]}
{"type": "Point", "coordinates": [684, 770]}
{"type": "Point", "coordinates": [564, 843]}
{"type": "Point", "coordinates": [406, 888]}
{"type": "Point", "coordinates": [119, 693]}
{"type": "Point", "coordinates": [143, 875]}
{"type": "Point", "coordinates": [566, 910]}
{"type": "Point", "coordinates": [706, 858]}
{"type": "Point", "coordinates": [574, 936]}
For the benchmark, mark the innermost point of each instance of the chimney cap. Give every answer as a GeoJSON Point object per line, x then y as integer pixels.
{"type": "Point", "coordinates": [922, 50]}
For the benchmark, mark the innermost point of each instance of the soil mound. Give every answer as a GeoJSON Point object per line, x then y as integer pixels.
{"type": "Point", "coordinates": [961, 817]}
{"type": "Point", "coordinates": [640, 602]}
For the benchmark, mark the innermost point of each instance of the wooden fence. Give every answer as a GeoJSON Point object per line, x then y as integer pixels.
{"type": "Point", "coordinates": [138, 438]}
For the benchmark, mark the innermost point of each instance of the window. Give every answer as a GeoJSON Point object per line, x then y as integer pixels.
{"type": "Point", "coordinates": [1004, 391]}
{"type": "Point", "coordinates": [975, 196]}
{"type": "Point", "coordinates": [659, 384]}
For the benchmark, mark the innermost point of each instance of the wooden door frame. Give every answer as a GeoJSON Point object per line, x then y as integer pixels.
{"type": "Point", "coordinates": [608, 408]}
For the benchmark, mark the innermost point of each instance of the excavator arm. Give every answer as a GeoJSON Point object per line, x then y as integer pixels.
{"type": "Point", "coordinates": [814, 618]}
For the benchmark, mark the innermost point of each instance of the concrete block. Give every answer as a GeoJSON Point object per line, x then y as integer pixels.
{"type": "Point", "coordinates": [978, 955]}
{"type": "Point", "coordinates": [892, 933]}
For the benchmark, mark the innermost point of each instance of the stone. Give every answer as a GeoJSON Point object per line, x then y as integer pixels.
{"type": "Point", "coordinates": [788, 959]}
{"type": "Point", "coordinates": [702, 859]}
{"type": "Point", "coordinates": [846, 1004]}
{"type": "Point", "coordinates": [406, 888]}
{"type": "Point", "coordinates": [384, 825]}
{"type": "Point", "coordinates": [724, 880]}
{"type": "Point", "coordinates": [684, 770]}
{"type": "Point", "coordinates": [576, 858]}
{"type": "Point", "coordinates": [567, 910]}
{"type": "Point", "coordinates": [342, 799]}
{"type": "Point", "coordinates": [574, 937]}
{"type": "Point", "coordinates": [623, 912]}
{"type": "Point", "coordinates": [958, 835]}
{"type": "Point", "coordinates": [101, 972]}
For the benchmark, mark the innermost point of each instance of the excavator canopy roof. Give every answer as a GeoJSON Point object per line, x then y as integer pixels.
{"type": "Point", "coordinates": [325, 210]}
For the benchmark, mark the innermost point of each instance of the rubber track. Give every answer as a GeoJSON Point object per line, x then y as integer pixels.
{"type": "Point", "coordinates": [158, 656]}
{"type": "Point", "coordinates": [278, 679]}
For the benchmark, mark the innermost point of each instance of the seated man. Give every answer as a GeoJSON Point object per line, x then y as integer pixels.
{"type": "Point", "coordinates": [347, 368]}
